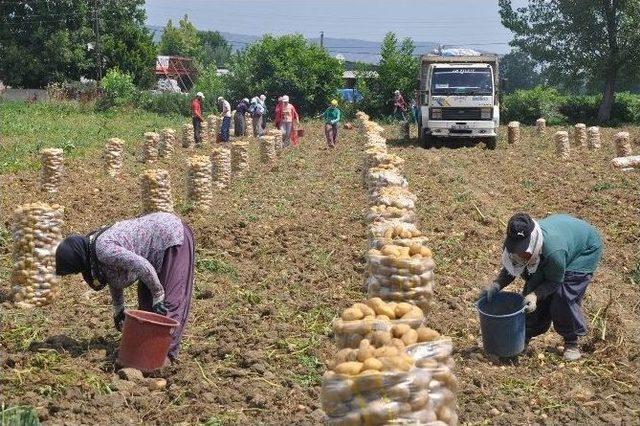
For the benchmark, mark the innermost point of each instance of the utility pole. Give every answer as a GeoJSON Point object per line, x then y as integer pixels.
{"type": "Point", "coordinates": [322, 39]}
{"type": "Point", "coordinates": [96, 31]}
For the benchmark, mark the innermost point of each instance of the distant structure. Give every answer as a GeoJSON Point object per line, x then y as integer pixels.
{"type": "Point", "coordinates": [176, 68]}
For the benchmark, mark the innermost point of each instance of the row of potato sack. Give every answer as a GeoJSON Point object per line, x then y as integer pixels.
{"type": "Point", "coordinates": [396, 370]}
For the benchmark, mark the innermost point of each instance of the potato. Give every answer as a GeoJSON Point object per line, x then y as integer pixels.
{"type": "Point", "coordinates": [372, 364]}
{"type": "Point", "coordinates": [383, 318]}
{"type": "Point", "coordinates": [379, 412]}
{"type": "Point", "coordinates": [352, 314]}
{"type": "Point", "coordinates": [426, 252]}
{"type": "Point", "coordinates": [380, 338]}
{"type": "Point", "coordinates": [445, 414]}
{"type": "Point", "coordinates": [419, 400]}
{"type": "Point", "coordinates": [398, 344]}
{"type": "Point", "coordinates": [399, 329]}
{"type": "Point", "coordinates": [385, 309]}
{"type": "Point", "coordinates": [426, 334]}
{"type": "Point", "coordinates": [414, 313]}
{"type": "Point", "coordinates": [364, 351]}
{"type": "Point", "coordinates": [410, 337]}
{"type": "Point", "coordinates": [350, 368]}
{"type": "Point", "coordinates": [400, 392]}
{"type": "Point", "coordinates": [385, 351]}
{"type": "Point", "coordinates": [354, 418]}
{"type": "Point", "coordinates": [366, 311]}
{"type": "Point", "coordinates": [402, 308]}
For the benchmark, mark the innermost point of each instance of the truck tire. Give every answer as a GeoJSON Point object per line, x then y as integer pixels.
{"type": "Point", "coordinates": [491, 143]}
{"type": "Point", "coordinates": [427, 140]}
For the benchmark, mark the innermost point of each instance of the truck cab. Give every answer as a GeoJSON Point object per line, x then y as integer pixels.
{"type": "Point", "coordinates": [458, 99]}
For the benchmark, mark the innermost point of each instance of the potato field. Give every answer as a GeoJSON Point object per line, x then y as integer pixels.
{"type": "Point", "coordinates": [283, 252]}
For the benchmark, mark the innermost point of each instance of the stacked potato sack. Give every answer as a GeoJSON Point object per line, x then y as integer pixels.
{"type": "Point", "coordinates": [199, 182]}
{"type": "Point", "coordinates": [277, 135]}
{"type": "Point", "coordinates": [562, 145]}
{"type": "Point", "coordinates": [401, 374]}
{"type": "Point", "coordinates": [623, 145]}
{"type": "Point", "coordinates": [513, 132]}
{"type": "Point", "coordinates": [150, 147]}
{"type": "Point", "coordinates": [155, 185]}
{"type": "Point", "coordinates": [383, 213]}
{"type": "Point", "coordinates": [239, 157]}
{"type": "Point", "coordinates": [593, 137]}
{"type": "Point", "coordinates": [378, 178]}
{"type": "Point", "coordinates": [188, 140]}
{"type": "Point", "coordinates": [379, 158]}
{"type": "Point", "coordinates": [204, 132]}
{"type": "Point", "coordinates": [167, 143]}
{"type": "Point", "coordinates": [52, 169]}
{"type": "Point", "coordinates": [268, 153]}
{"type": "Point", "coordinates": [402, 274]}
{"type": "Point", "coordinates": [221, 167]}
{"type": "Point", "coordinates": [36, 231]}
{"type": "Point", "coordinates": [394, 196]}
{"type": "Point", "coordinates": [580, 134]}
{"type": "Point", "coordinates": [541, 126]}
{"type": "Point", "coordinates": [396, 232]}
{"type": "Point", "coordinates": [113, 151]}
{"type": "Point", "coordinates": [212, 125]}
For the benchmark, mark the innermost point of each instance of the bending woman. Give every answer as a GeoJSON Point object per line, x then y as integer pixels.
{"type": "Point", "coordinates": [156, 250]}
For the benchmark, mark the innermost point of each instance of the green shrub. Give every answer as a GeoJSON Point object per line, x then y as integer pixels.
{"type": "Point", "coordinates": [526, 106]}
{"type": "Point", "coordinates": [118, 89]}
{"type": "Point", "coordinates": [211, 85]}
{"type": "Point", "coordinates": [165, 103]}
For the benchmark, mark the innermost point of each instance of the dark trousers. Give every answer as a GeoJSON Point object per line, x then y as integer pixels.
{"type": "Point", "coordinates": [197, 130]}
{"type": "Point", "coordinates": [562, 308]}
{"type": "Point", "coordinates": [224, 129]}
{"type": "Point", "coordinates": [176, 278]}
{"type": "Point", "coordinates": [331, 133]}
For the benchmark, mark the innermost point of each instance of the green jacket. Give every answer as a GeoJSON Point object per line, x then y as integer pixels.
{"type": "Point", "coordinates": [332, 115]}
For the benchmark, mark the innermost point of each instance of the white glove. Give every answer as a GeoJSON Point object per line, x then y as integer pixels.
{"type": "Point", "coordinates": [530, 302]}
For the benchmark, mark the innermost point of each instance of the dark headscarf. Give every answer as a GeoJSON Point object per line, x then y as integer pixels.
{"type": "Point", "coordinates": [72, 257]}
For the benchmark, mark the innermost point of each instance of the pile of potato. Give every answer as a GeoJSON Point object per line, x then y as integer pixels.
{"type": "Point", "coordinates": [394, 196]}
{"type": "Point", "coordinates": [155, 185]}
{"type": "Point", "coordinates": [221, 167]}
{"type": "Point", "coordinates": [623, 144]}
{"type": "Point", "coordinates": [112, 155]}
{"type": "Point", "coordinates": [541, 126]}
{"type": "Point", "coordinates": [212, 126]}
{"type": "Point", "coordinates": [379, 178]}
{"type": "Point", "coordinates": [593, 137]}
{"type": "Point", "coordinates": [205, 135]}
{"type": "Point", "coordinates": [239, 157]}
{"type": "Point", "coordinates": [563, 150]}
{"type": "Point", "coordinates": [375, 141]}
{"type": "Point", "coordinates": [199, 182]}
{"type": "Point", "coordinates": [580, 134]}
{"type": "Point", "coordinates": [167, 143]}
{"type": "Point", "coordinates": [277, 135]}
{"type": "Point", "coordinates": [513, 132]}
{"type": "Point", "coordinates": [382, 213]}
{"type": "Point", "coordinates": [150, 147]}
{"type": "Point", "coordinates": [396, 232]}
{"type": "Point", "coordinates": [268, 149]}
{"type": "Point", "coordinates": [401, 273]}
{"type": "Point", "coordinates": [36, 230]}
{"type": "Point", "coordinates": [52, 169]}
{"type": "Point", "coordinates": [188, 140]}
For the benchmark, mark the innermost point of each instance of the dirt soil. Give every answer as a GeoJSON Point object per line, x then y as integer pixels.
{"type": "Point", "coordinates": [282, 252]}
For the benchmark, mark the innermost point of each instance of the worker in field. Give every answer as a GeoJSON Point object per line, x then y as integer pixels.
{"type": "Point", "coordinates": [225, 115]}
{"type": "Point", "coordinates": [262, 100]}
{"type": "Point", "coordinates": [196, 117]}
{"type": "Point", "coordinates": [399, 106]}
{"type": "Point", "coordinates": [278, 112]}
{"type": "Point", "coordinates": [557, 257]}
{"type": "Point", "coordinates": [156, 250]}
{"type": "Point", "coordinates": [257, 114]}
{"type": "Point", "coordinates": [332, 116]}
{"type": "Point", "coordinates": [289, 121]}
{"type": "Point", "coordinates": [239, 119]}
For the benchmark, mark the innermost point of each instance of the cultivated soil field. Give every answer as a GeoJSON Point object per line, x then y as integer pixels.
{"type": "Point", "coordinates": [282, 252]}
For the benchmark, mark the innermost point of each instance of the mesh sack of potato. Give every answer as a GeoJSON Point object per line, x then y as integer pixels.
{"type": "Point", "coordinates": [167, 143]}
{"type": "Point", "coordinates": [239, 157]}
{"type": "Point", "coordinates": [563, 150]}
{"type": "Point", "coordinates": [593, 137]}
{"type": "Point", "coordinates": [150, 147]}
{"type": "Point", "coordinates": [580, 134]}
{"type": "Point", "coordinates": [155, 185]}
{"type": "Point", "coordinates": [221, 167]}
{"type": "Point", "coordinates": [394, 196]}
{"type": "Point", "coordinates": [372, 127]}
{"type": "Point", "coordinates": [36, 231]}
{"type": "Point", "coordinates": [188, 140]}
{"type": "Point", "coordinates": [366, 320]}
{"type": "Point", "coordinates": [401, 274]}
{"type": "Point", "coordinates": [541, 126]}
{"type": "Point", "coordinates": [513, 132]}
{"type": "Point", "coordinates": [112, 155]}
{"type": "Point", "coordinates": [380, 178]}
{"type": "Point", "coordinates": [375, 141]}
{"type": "Point", "coordinates": [362, 116]}
{"type": "Point", "coordinates": [268, 149]}
{"type": "Point", "coordinates": [52, 169]}
{"type": "Point", "coordinates": [199, 190]}
{"type": "Point", "coordinates": [205, 135]}
{"type": "Point", "coordinates": [382, 213]}
{"type": "Point", "coordinates": [379, 386]}
{"type": "Point", "coordinates": [212, 127]}
{"type": "Point", "coordinates": [623, 144]}
{"type": "Point", "coordinates": [382, 233]}
{"type": "Point", "coordinates": [277, 137]}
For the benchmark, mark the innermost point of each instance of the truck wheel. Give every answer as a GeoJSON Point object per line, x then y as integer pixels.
{"type": "Point", "coordinates": [491, 143]}
{"type": "Point", "coordinates": [427, 140]}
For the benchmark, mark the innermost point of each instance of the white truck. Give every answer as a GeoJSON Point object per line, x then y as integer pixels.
{"type": "Point", "coordinates": [458, 99]}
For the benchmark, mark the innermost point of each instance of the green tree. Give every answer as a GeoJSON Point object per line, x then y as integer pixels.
{"type": "Point", "coordinates": [589, 40]}
{"type": "Point", "coordinates": [520, 71]}
{"type": "Point", "coordinates": [182, 40]}
{"type": "Point", "coordinates": [216, 49]}
{"type": "Point", "coordinates": [286, 65]}
{"type": "Point", "coordinates": [48, 41]}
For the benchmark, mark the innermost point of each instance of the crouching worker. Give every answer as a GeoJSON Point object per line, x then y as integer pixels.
{"type": "Point", "coordinates": [156, 250]}
{"type": "Point", "coordinates": [556, 257]}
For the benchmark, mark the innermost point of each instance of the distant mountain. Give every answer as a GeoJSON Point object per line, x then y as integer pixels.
{"type": "Point", "coordinates": [351, 50]}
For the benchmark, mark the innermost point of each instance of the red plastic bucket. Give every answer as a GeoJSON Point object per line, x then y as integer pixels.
{"type": "Point", "coordinates": [145, 340]}
{"type": "Point", "coordinates": [300, 133]}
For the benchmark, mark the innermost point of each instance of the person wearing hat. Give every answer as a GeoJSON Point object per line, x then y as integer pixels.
{"type": "Point", "coordinates": [399, 106]}
{"type": "Point", "coordinates": [262, 101]}
{"type": "Point", "coordinates": [239, 119]}
{"type": "Point", "coordinates": [257, 112]}
{"type": "Point", "coordinates": [225, 115]}
{"type": "Point", "coordinates": [289, 119]}
{"type": "Point", "coordinates": [155, 250]}
{"type": "Point", "coordinates": [196, 117]}
{"type": "Point", "coordinates": [557, 257]}
{"type": "Point", "coordinates": [332, 117]}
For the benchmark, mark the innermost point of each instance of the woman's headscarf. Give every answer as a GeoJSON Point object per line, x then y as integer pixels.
{"type": "Point", "coordinates": [72, 257]}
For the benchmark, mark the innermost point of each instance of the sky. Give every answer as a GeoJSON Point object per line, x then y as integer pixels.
{"type": "Point", "coordinates": [468, 23]}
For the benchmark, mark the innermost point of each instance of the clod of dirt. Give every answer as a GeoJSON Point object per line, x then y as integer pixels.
{"type": "Point", "coordinates": [131, 374]}
{"type": "Point", "coordinates": [156, 384]}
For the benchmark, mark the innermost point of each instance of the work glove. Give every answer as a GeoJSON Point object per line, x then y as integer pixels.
{"type": "Point", "coordinates": [490, 291]}
{"type": "Point", "coordinates": [530, 302]}
{"type": "Point", "coordinates": [118, 320]}
{"type": "Point", "coordinates": [159, 308]}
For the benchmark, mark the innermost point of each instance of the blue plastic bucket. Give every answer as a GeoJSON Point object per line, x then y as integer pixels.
{"type": "Point", "coordinates": [502, 324]}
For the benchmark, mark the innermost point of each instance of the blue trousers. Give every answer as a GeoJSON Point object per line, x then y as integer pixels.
{"type": "Point", "coordinates": [562, 308]}
{"type": "Point", "coordinates": [224, 129]}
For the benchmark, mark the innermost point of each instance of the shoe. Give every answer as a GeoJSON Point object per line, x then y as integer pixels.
{"type": "Point", "coordinates": [572, 353]}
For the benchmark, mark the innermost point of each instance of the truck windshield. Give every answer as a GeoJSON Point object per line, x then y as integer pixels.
{"type": "Point", "coordinates": [462, 81]}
